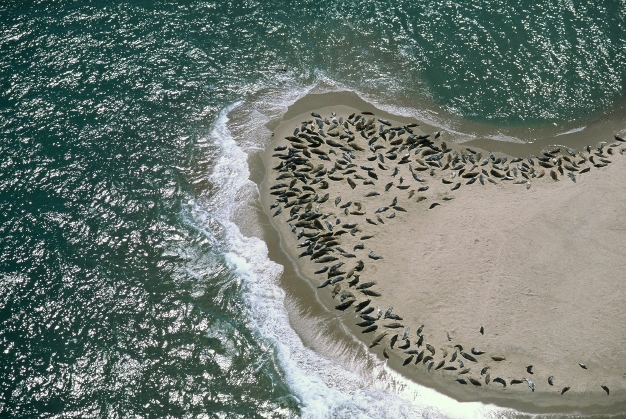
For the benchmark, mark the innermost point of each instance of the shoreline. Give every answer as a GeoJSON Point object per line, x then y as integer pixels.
{"type": "Point", "coordinates": [511, 140]}
{"type": "Point", "coordinates": [515, 395]}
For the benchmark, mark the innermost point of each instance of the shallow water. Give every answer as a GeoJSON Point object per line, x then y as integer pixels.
{"type": "Point", "coordinates": [127, 287]}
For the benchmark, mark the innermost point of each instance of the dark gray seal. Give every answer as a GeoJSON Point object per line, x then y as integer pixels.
{"type": "Point", "coordinates": [499, 380]}
{"type": "Point", "coordinates": [362, 305]}
{"type": "Point", "coordinates": [370, 329]}
{"type": "Point", "coordinates": [377, 339]}
{"type": "Point", "coordinates": [475, 382]}
{"type": "Point", "coordinates": [344, 306]}
{"type": "Point", "coordinates": [468, 357]}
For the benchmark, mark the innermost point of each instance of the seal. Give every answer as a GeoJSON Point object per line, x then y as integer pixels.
{"type": "Point", "coordinates": [368, 311]}
{"type": "Point", "coordinates": [405, 333]}
{"type": "Point", "coordinates": [377, 339]}
{"type": "Point", "coordinates": [370, 329]}
{"type": "Point", "coordinates": [361, 305]}
{"type": "Point", "coordinates": [500, 380]}
{"type": "Point", "coordinates": [344, 306]}
{"type": "Point", "coordinates": [430, 348]}
{"type": "Point", "coordinates": [475, 381]}
{"type": "Point", "coordinates": [554, 176]}
{"type": "Point", "coordinates": [405, 345]}
{"type": "Point", "coordinates": [468, 357]}
{"type": "Point", "coordinates": [393, 340]}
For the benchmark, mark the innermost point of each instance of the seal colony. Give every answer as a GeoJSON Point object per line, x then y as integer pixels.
{"type": "Point", "coordinates": [339, 181]}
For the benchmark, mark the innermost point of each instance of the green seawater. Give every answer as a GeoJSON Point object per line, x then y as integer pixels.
{"type": "Point", "coordinates": [124, 291]}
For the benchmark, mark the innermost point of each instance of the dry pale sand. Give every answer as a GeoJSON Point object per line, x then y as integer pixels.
{"type": "Point", "coordinates": [542, 269]}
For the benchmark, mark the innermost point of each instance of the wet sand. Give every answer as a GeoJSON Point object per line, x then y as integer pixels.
{"type": "Point", "coordinates": [539, 268]}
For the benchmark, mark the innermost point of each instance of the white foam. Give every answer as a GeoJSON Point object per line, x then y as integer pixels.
{"type": "Point", "coordinates": [323, 386]}
{"type": "Point", "coordinates": [505, 138]}
{"type": "Point", "coordinates": [572, 131]}
{"type": "Point", "coordinates": [427, 116]}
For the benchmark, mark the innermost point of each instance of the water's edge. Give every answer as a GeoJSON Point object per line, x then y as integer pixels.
{"type": "Point", "coordinates": [298, 289]}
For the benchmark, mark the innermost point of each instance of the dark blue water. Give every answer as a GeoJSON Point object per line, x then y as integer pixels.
{"type": "Point", "coordinates": [125, 288]}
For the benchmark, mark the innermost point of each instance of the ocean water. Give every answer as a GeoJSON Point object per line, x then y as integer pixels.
{"type": "Point", "coordinates": [127, 287]}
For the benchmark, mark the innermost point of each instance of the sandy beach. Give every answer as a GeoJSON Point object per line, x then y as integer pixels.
{"type": "Point", "coordinates": [508, 289]}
